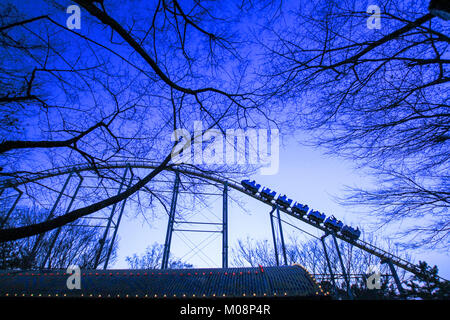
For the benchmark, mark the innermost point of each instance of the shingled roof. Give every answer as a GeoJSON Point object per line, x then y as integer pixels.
{"type": "Point", "coordinates": [291, 281]}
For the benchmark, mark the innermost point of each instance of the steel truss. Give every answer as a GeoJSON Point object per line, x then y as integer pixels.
{"type": "Point", "coordinates": [113, 221]}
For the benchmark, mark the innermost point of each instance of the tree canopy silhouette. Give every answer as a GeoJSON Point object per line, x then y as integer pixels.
{"type": "Point", "coordinates": [377, 96]}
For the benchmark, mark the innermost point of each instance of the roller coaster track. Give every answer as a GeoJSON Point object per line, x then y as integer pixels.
{"type": "Point", "coordinates": [188, 171]}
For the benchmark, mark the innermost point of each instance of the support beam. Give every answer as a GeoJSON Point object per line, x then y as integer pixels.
{"type": "Point", "coordinates": [283, 246]}
{"type": "Point", "coordinates": [8, 214]}
{"type": "Point", "coordinates": [166, 254]}
{"type": "Point", "coordinates": [347, 280]}
{"type": "Point", "coordinates": [108, 225]}
{"type": "Point", "coordinates": [50, 215]}
{"type": "Point", "coordinates": [116, 227]}
{"type": "Point", "coordinates": [225, 227]}
{"type": "Point", "coordinates": [395, 275]}
{"type": "Point", "coordinates": [274, 237]}
{"type": "Point", "coordinates": [58, 231]}
{"type": "Point", "coordinates": [329, 265]}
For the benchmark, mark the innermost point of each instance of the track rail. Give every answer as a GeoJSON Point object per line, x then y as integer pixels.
{"type": "Point", "coordinates": [378, 252]}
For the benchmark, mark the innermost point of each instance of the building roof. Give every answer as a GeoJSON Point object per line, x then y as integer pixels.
{"type": "Point", "coordinates": [290, 281]}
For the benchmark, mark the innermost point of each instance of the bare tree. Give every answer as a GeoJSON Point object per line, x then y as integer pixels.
{"type": "Point", "coordinates": [152, 259]}
{"type": "Point", "coordinates": [117, 89]}
{"type": "Point", "coordinates": [311, 255]}
{"type": "Point", "coordinates": [376, 96]}
{"type": "Point", "coordinates": [76, 245]}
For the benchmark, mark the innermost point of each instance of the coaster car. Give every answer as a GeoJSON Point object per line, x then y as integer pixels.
{"type": "Point", "coordinates": [250, 185]}
{"type": "Point", "coordinates": [284, 201]}
{"type": "Point", "coordinates": [350, 232]}
{"type": "Point", "coordinates": [268, 194]}
{"type": "Point", "coordinates": [316, 216]}
{"type": "Point", "coordinates": [300, 209]}
{"type": "Point", "coordinates": [333, 224]}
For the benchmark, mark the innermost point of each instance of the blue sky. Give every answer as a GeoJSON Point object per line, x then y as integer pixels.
{"type": "Point", "coordinates": [305, 175]}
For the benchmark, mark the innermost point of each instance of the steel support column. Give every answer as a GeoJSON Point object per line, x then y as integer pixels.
{"type": "Point", "coordinates": [329, 265]}
{"type": "Point", "coordinates": [116, 226]}
{"type": "Point", "coordinates": [166, 254]}
{"type": "Point", "coordinates": [3, 222]}
{"type": "Point", "coordinates": [58, 231]}
{"type": "Point", "coordinates": [283, 246]}
{"type": "Point", "coordinates": [395, 275]}
{"type": "Point", "coordinates": [108, 225]}
{"type": "Point", "coordinates": [225, 227]}
{"type": "Point", "coordinates": [50, 215]}
{"type": "Point", "coordinates": [274, 237]}
{"type": "Point", "coordinates": [347, 280]}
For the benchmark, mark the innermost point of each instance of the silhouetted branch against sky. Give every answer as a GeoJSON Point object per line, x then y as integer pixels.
{"type": "Point", "coordinates": [377, 96]}
{"type": "Point", "coordinates": [118, 86]}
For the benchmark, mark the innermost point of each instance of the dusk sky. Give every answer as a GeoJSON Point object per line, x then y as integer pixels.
{"type": "Point", "coordinates": [352, 111]}
{"type": "Point", "coordinates": [306, 175]}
